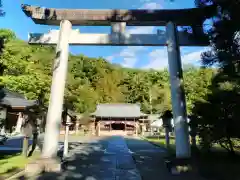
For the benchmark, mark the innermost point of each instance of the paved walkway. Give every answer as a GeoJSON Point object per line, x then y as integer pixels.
{"type": "Point", "coordinates": [115, 158]}
{"type": "Point", "coordinates": [107, 158]}
{"type": "Point", "coordinates": [149, 160]}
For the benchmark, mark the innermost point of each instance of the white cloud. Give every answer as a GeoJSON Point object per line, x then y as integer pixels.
{"type": "Point", "coordinates": [130, 51]}
{"type": "Point", "coordinates": [129, 62]}
{"type": "Point", "coordinates": [151, 5]}
{"type": "Point", "coordinates": [192, 57]}
{"type": "Point", "coordinates": [141, 30]}
{"type": "Point", "coordinates": [109, 58]}
{"type": "Point", "coordinates": [132, 60]}
{"type": "Point", "coordinates": [145, 1]}
{"type": "Point", "coordinates": [129, 55]}
{"type": "Point", "coordinates": [158, 59]}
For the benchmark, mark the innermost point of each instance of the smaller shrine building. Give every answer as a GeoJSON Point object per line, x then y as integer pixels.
{"type": "Point", "coordinates": [124, 117]}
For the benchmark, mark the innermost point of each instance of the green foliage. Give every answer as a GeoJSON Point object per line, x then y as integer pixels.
{"type": "Point", "coordinates": [217, 116]}
{"type": "Point", "coordinates": [93, 80]}
{"type": "Point", "coordinates": [23, 71]}
{"type": "Point", "coordinates": [197, 84]}
{"type": "Point", "coordinates": [224, 36]}
{"type": "Point", "coordinates": [7, 35]}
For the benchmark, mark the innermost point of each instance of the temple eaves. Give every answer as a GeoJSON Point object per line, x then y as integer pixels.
{"type": "Point", "coordinates": [87, 17]}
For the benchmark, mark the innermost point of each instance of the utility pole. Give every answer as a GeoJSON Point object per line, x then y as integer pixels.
{"type": "Point", "coordinates": [150, 100]}
{"type": "Point", "coordinates": [68, 123]}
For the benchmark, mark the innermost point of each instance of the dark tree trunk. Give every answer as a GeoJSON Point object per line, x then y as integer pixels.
{"type": "Point", "coordinates": [34, 143]}
{"type": "Point", "coordinates": [231, 148]}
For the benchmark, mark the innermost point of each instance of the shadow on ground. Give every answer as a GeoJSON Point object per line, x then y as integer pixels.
{"type": "Point", "coordinates": [213, 165]}
{"type": "Point", "coordinates": [98, 159]}
{"type": "Point", "coordinates": [150, 160]}
{"type": "Point", "coordinates": [218, 165]}
{"type": "Point", "coordinates": [87, 162]}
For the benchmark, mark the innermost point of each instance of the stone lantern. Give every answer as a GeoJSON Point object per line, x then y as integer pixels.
{"type": "Point", "coordinates": [166, 118]}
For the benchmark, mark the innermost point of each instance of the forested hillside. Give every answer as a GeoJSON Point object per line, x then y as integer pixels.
{"type": "Point", "coordinates": [94, 80]}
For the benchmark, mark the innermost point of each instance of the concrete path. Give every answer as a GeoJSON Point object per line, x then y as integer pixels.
{"type": "Point", "coordinates": [107, 158]}
{"type": "Point", "coordinates": [115, 158]}
{"type": "Point", "coordinates": [149, 160]}
{"type": "Point", "coordinates": [125, 168]}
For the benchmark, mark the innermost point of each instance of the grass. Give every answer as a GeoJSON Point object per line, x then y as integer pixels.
{"type": "Point", "coordinates": [11, 164]}
{"type": "Point", "coordinates": [80, 133]}
{"type": "Point", "coordinates": [161, 142]}
{"type": "Point", "coordinates": [216, 164]}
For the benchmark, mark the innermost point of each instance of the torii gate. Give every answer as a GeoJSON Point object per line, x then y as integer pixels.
{"type": "Point", "coordinates": [118, 20]}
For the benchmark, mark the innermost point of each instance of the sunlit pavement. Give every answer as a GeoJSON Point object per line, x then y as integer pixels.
{"type": "Point", "coordinates": [149, 160]}
{"type": "Point", "coordinates": [104, 158]}
{"type": "Point", "coordinates": [114, 158]}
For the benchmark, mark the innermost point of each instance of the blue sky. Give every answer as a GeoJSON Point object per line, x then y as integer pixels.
{"type": "Point", "coordinates": [137, 57]}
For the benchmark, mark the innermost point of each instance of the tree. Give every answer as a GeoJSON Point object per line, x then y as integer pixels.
{"type": "Point", "coordinates": [5, 36]}
{"type": "Point", "coordinates": [221, 126]}
{"type": "Point", "coordinates": [28, 70]}
{"type": "Point", "coordinates": [224, 36]}
{"type": "Point", "coordinates": [197, 84]}
{"type": "Point", "coordinates": [23, 72]}
{"type": "Point", "coordinates": [223, 98]}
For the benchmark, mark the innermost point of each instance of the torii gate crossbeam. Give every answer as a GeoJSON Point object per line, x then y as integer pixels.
{"type": "Point", "coordinates": [120, 39]}
{"type": "Point", "coordinates": [118, 19]}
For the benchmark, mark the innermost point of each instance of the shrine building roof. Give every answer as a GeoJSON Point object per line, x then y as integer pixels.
{"type": "Point", "coordinates": [118, 111]}
{"type": "Point", "coordinates": [14, 100]}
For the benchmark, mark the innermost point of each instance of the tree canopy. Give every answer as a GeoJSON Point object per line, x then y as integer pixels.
{"type": "Point", "coordinates": [217, 117]}
{"type": "Point", "coordinates": [28, 70]}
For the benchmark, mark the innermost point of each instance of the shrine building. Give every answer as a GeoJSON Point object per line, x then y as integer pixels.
{"type": "Point", "coordinates": [125, 117]}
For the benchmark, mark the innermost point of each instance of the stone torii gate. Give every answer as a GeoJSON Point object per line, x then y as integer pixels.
{"type": "Point", "coordinates": [118, 20]}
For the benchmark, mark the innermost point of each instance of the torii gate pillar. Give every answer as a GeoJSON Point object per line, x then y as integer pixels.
{"type": "Point", "coordinates": [57, 92]}
{"type": "Point", "coordinates": [177, 93]}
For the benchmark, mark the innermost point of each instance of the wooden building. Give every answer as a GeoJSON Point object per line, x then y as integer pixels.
{"type": "Point", "coordinates": [124, 117]}
{"type": "Point", "coordinates": [12, 106]}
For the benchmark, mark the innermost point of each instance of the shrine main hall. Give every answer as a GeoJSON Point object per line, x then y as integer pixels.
{"type": "Point", "coordinates": [124, 117]}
